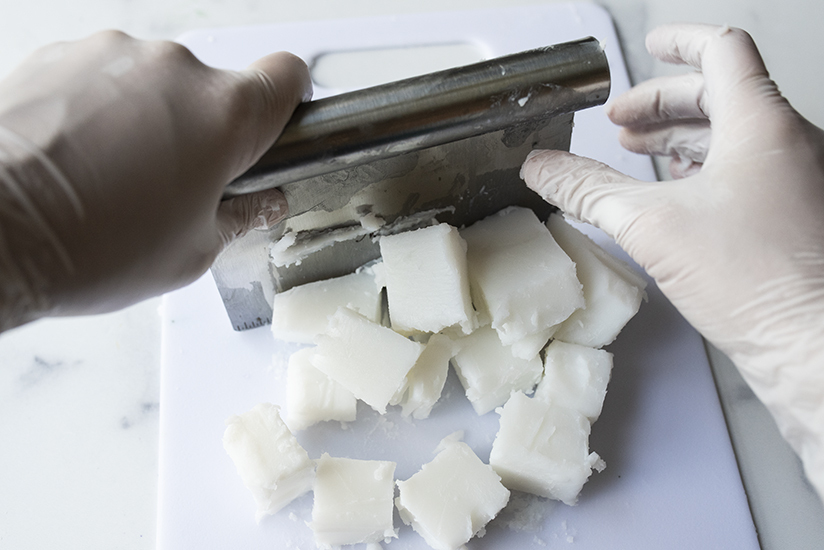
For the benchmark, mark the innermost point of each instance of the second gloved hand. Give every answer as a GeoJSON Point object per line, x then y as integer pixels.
{"type": "Point", "coordinates": [114, 153]}
{"type": "Point", "coordinates": [737, 241]}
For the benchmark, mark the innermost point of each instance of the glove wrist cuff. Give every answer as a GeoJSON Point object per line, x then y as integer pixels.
{"type": "Point", "coordinates": [789, 380]}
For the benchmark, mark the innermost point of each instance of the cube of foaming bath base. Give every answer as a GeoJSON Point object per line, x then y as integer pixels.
{"type": "Point", "coordinates": [490, 373]}
{"type": "Point", "coordinates": [369, 360]}
{"type": "Point", "coordinates": [268, 458]}
{"type": "Point", "coordinates": [353, 501]}
{"type": "Point", "coordinates": [301, 313]}
{"type": "Point", "coordinates": [313, 397]}
{"type": "Point", "coordinates": [519, 277]}
{"type": "Point", "coordinates": [543, 449]}
{"type": "Point", "coordinates": [612, 290]}
{"type": "Point", "coordinates": [452, 498]}
{"type": "Point", "coordinates": [575, 377]}
{"type": "Point", "coordinates": [427, 285]}
{"type": "Point", "coordinates": [425, 381]}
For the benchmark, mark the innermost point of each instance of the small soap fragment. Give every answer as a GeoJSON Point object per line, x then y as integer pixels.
{"type": "Point", "coordinates": [575, 377]}
{"type": "Point", "coordinates": [302, 312]}
{"type": "Point", "coordinates": [426, 379]}
{"type": "Point", "coordinates": [452, 498]}
{"type": "Point", "coordinates": [369, 360]}
{"type": "Point", "coordinates": [519, 277]}
{"type": "Point", "coordinates": [426, 280]}
{"type": "Point", "coordinates": [543, 449]}
{"type": "Point", "coordinates": [268, 458]}
{"type": "Point", "coordinates": [313, 397]}
{"type": "Point", "coordinates": [353, 501]}
{"type": "Point", "coordinates": [530, 346]}
{"type": "Point", "coordinates": [490, 373]}
{"type": "Point", "coordinates": [612, 290]}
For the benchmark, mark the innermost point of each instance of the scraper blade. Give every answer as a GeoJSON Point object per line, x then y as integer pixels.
{"type": "Point", "coordinates": [444, 147]}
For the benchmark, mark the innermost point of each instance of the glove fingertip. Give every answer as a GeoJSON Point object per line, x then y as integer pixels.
{"type": "Point", "coordinates": [544, 170]}
{"type": "Point", "coordinates": [583, 188]}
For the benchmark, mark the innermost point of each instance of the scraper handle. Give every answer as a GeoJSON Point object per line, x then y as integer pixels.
{"type": "Point", "coordinates": [380, 122]}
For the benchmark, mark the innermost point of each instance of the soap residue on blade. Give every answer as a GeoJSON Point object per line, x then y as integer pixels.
{"type": "Point", "coordinates": [418, 220]}
{"type": "Point", "coordinates": [294, 246]}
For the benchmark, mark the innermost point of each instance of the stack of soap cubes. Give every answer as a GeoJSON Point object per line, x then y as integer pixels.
{"type": "Point", "coordinates": [519, 308]}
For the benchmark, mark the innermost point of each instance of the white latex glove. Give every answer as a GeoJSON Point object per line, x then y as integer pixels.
{"type": "Point", "coordinates": [114, 153]}
{"type": "Point", "coordinates": [737, 243]}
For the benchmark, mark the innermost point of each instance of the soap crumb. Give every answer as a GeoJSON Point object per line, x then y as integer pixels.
{"type": "Point", "coordinates": [389, 429]}
{"type": "Point", "coordinates": [570, 533]}
{"type": "Point", "coordinates": [371, 222]}
{"type": "Point", "coordinates": [278, 366]}
{"type": "Point", "coordinates": [525, 512]}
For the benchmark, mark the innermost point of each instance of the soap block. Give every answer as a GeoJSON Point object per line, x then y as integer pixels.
{"type": "Point", "coordinates": [519, 277]}
{"type": "Point", "coordinates": [313, 397]}
{"type": "Point", "coordinates": [353, 501]}
{"type": "Point", "coordinates": [489, 372]}
{"type": "Point", "coordinates": [575, 377]}
{"type": "Point", "coordinates": [369, 360]}
{"type": "Point", "coordinates": [612, 290]}
{"type": "Point", "coordinates": [268, 458]}
{"type": "Point", "coordinates": [301, 313]}
{"type": "Point", "coordinates": [427, 285]}
{"type": "Point", "coordinates": [426, 379]}
{"type": "Point", "coordinates": [543, 449]}
{"type": "Point", "coordinates": [452, 498]}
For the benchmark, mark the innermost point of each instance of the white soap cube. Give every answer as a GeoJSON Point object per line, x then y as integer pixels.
{"type": "Point", "coordinates": [369, 360]}
{"type": "Point", "coordinates": [575, 377]}
{"type": "Point", "coordinates": [426, 280]}
{"type": "Point", "coordinates": [543, 449]}
{"type": "Point", "coordinates": [313, 397]}
{"type": "Point", "coordinates": [426, 379]}
{"type": "Point", "coordinates": [353, 501]}
{"type": "Point", "coordinates": [302, 312]}
{"type": "Point", "coordinates": [518, 274]}
{"type": "Point", "coordinates": [268, 458]}
{"type": "Point", "coordinates": [612, 290]}
{"type": "Point", "coordinates": [452, 498]}
{"type": "Point", "coordinates": [489, 372]}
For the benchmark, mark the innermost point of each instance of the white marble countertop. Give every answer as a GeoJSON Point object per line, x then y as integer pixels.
{"type": "Point", "coordinates": [79, 397]}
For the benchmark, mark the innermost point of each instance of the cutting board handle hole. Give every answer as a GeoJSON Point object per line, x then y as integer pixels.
{"type": "Point", "coordinates": [355, 69]}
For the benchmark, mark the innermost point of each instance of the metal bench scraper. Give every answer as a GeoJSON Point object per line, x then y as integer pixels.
{"type": "Point", "coordinates": [443, 147]}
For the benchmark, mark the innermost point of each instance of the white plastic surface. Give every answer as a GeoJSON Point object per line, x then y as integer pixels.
{"type": "Point", "coordinates": [671, 479]}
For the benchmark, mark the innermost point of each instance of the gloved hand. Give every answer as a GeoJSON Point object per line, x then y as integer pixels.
{"type": "Point", "coordinates": [737, 241]}
{"type": "Point", "coordinates": [113, 156]}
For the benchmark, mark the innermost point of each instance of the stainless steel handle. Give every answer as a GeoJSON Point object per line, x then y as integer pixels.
{"type": "Point", "coordinates": [375, 123]}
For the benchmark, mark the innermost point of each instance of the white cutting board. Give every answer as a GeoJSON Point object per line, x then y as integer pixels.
{"type": "Point", "coordinates": [671, 480]}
